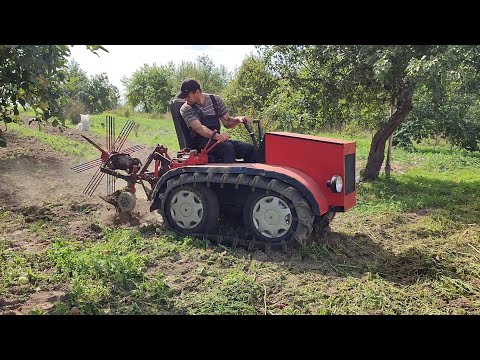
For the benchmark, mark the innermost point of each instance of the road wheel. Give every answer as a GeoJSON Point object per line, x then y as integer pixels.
{"type": "Point", "coordinates": [190, 210]}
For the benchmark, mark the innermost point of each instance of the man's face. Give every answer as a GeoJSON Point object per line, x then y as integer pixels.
{"type": "Point", "coordinates": [192, 98]}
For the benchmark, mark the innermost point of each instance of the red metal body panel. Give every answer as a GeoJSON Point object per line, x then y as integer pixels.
{"type": "Point", "coordinates": [296, 174]}
{"type": "Point", "coordinates": [319, 158]}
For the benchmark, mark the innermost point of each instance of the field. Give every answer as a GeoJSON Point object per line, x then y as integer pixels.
{"type": "Point", "coordinates": [410, 246]}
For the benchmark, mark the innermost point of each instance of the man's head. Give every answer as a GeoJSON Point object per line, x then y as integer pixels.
{"type": "Point", "coordinates": [189, 89]}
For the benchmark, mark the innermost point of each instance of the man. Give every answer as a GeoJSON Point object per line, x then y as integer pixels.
{"type": "Point", "coordinates": [202, 113]}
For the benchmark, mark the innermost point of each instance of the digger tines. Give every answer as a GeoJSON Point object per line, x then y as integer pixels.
{"type": "Point", "coordinates": [113, 146]}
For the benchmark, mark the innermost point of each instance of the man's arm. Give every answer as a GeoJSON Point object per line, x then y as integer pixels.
{"type": "Point", "coordinates": [204, 131]}
{"type": "Point", "coordinates": [231, 122]}
{"type": "Point", "coordinates": [227, 120]}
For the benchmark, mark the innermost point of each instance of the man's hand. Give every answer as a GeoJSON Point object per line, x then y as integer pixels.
{"type": "Point", "coordinates": [222, 137]}
{"type": "Point", "coordinates": [245, 119]}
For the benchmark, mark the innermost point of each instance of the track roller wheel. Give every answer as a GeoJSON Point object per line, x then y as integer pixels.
{"type": "Point", "coordinates": [191, 209]}
{"type": "Point", "coordinates": [276, 220]}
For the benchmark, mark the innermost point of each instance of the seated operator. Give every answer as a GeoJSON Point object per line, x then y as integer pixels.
{"type": "Point", "coordinates": [202, 113]}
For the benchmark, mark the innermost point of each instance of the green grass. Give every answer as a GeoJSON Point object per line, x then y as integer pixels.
{"type": "Point", "coordinates": [151, 131]}
{"type": "Point", "coordinates": [230, 292]}
{"type": "Point", "coordinates": [29, 112]}
{"type": "Point", "coordinates": [106, 272]}
{"type": "Point", "coordinates": [61, 144]}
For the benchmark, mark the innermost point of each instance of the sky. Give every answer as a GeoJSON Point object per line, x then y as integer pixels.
{"type": "Point", "coordinates": [123, 60]}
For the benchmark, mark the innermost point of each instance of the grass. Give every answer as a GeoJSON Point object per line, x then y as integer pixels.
{"type": "Point", "coordinates": [410, 246]}
{"type": "Point", "coordinates": [231, 292]}
{"type": "Point", "coordinates": [64, 145]}
{"type": "Point", "coordinates": [102, 275]}
{"type": "Point", "coordinates": [151, 131]}
{"type": "Point", "coordinates": [105, 273]}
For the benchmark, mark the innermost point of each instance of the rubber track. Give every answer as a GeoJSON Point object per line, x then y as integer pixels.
{"type": "Point", "coordinates": [304, 215]}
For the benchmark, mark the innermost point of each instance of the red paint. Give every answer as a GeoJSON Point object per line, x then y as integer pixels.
{"type": "Point", "coordinates": [319, 158]}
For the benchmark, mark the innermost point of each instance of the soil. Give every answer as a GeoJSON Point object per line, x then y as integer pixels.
{"type": "Point", "coordinates": [38, 183]}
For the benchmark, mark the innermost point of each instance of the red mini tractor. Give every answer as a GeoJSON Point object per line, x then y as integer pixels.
{"type": "Point", "coordinates": [292, 193]}
{"type": "Point", "coordinates": [297, 187]}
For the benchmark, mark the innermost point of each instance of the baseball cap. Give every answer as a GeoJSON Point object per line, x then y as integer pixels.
{"type": "Point", "coordinates": [188, 85]}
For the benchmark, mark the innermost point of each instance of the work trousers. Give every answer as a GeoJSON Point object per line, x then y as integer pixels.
{"type": "Point", "coordinates": [229, 151]}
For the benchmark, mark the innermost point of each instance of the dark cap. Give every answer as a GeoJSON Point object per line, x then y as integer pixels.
{"type": "Point", "coordinates": [188, 85]}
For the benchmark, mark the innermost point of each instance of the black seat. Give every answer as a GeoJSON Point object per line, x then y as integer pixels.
{"type": "Point", "coordinates": [183, 133]}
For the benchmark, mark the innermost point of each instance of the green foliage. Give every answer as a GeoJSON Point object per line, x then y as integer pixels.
{"type": "Point", "coordinates": [77, 80]}
{"type": "Point", "coordinates": [97, 94]}
{"type": "Point", "coordinates": [248, 92]}
{"type": "Point", "coordinates": [330, 84]}
{"type": "Point", "coordinates": [455, 118]}
{"type": "Point", "coordinates": [33, 75]}
{"type": "Point", "coordinates": [101, 94]}
{"type": "Point", "coordinates": [150, 88]}
{"type": "Point", "coordinates": [335, 80]}
{"type": "Point", "coordinates": [212, 78]}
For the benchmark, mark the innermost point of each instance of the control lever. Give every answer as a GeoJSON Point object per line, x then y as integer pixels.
{"type": "Point", "coordinates": [252, 135]}
{"type": "Point", "coordinates": [207, 149]}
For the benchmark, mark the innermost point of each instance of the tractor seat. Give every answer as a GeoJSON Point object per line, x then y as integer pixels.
{"type": "Point", "coordinates": [183, 133]}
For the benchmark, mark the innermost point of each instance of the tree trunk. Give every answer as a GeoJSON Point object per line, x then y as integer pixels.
{"type": "Point", "coordinates": [388, 162]}
{"type": "Point", "coordinates": [377, 149]}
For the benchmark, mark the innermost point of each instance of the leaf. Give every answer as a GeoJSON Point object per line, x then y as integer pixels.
{"type": "Point", "coordinates": [42, 105]}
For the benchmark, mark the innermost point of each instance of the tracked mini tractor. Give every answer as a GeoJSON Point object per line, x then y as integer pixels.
{"type": "Point", "coordinates": [295, 189]}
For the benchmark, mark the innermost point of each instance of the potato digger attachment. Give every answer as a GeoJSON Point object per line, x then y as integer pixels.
{"type": "Point", "coordinates": [285, 199]}
{"type": "Point", "coordinates": [111, 161]}
{"type": "Point", "coordinates": [118, 164]}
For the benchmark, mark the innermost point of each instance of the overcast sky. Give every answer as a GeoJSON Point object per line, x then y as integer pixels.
{"type": "Point", "coordinates": [123, 60]}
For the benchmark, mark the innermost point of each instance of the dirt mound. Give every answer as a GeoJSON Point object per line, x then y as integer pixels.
{"type": "Point", "coordinates": [34, 213]}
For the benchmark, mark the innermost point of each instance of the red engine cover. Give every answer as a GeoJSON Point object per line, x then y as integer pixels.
{"type": "Point", "coordinates": [320, 158]}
